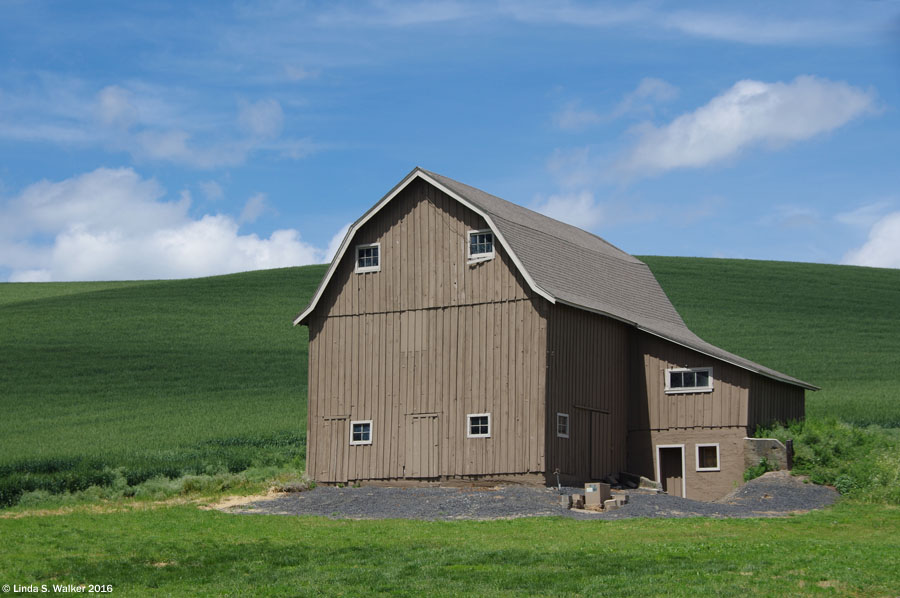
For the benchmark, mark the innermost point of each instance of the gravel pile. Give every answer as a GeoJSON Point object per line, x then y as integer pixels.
{"type": "Point", "coordinates": [772, 495]}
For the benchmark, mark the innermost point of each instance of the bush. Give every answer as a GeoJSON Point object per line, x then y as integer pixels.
{"type": "Point", "coordinates": [860, 462]}
{"type": "Point", "coordinates": [757, 470]}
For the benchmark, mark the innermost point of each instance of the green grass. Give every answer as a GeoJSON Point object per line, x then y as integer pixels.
{"type": "Point", "coordinates": [204, 381]}
{"type": "Point", "coordinates": [161, 378]}
{"type": "Point", "coordinates": [179, 551]}
{"type": "Point", "coordinates": [837, 327]}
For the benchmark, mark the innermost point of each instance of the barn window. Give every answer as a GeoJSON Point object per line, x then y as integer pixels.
{"type": "Point", "coordinates": [368, 257]}
{"type": "Point", "coordinates": [481, 245]}
{"type": "Point", "coordinates": [361, 432]}
{"type": "Point", "coordinates": [681, 380]}
{"type": "Point", "coordinates": [708, 457]}
{"type": "Point", "coordinates": [479, 425]}
{"type": "Point", "coordinates": [562, 425]}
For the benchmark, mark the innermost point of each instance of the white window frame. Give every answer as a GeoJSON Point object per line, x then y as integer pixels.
{"type": "Point", "coordinates": [683, 466]}
{"type": "Point", "coordinates": [480, 257]}
{"type": "Point", "coordinates": [362, 270]}
{"type": "Point", "coordinates": [469, 425]}
{"type": "Point", "coordinates": [697, 448]}
{"type": "Point", "coordinates": [371, 431]}
{"type": "Point", "coordinates": [691, 390]}
{"type": "Point", "coordinates": [558, 433]}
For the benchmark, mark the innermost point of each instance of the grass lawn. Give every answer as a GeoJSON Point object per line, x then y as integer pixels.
{"type": "Point", "coordinates": [847, 550]}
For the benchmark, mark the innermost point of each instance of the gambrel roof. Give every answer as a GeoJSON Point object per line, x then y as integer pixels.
{"type": "Point", "coordinates": [567, 265]}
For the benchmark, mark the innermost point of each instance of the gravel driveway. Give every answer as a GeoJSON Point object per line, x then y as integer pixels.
{"type": "Point", "coordinates": [775, 494]}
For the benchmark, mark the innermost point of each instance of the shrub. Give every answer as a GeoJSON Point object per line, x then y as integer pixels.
{"type": "Point", "coordinates": [757, 470]}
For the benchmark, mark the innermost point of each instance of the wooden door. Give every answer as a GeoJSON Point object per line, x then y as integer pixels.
{"type": "Point", "coordinates": [600, 445]}
{"type": "Point", "coordinates": [333, 454]}
{"type": "Point", "coordinates": [671, 469]}
{"type": "Point", "coordinates": [423, 458]}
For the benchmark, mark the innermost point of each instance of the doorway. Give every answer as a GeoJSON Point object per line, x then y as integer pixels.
{"type": "Point", "coordinates": [670, 468]}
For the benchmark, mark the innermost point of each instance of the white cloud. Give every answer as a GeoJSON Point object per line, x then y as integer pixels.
{"type": "Point", "coordinates": [254, 208]}
{"type": "Point", "coordinates": [335, 242]}
{"type": "Point", "coordinates": [750, 113]}
{"type": "Point", "coordinates": [112, 224]}
{"type": "Point", "coordinates": [261, 119]}
{"type": "Point", "coordinates": [572, 117]}
{"type": "Point", "coordinates": [151, 123]}
{"type": "Point", "coordinates": [212, 190]}
{"type": "Point", "coordinates": [578, 209]}
{"type": "Point", "coordinates": [298, 73]}
{"type": "Point", "coordinates": [882, 249]}
{"type": "Point", "coordinates": [864, 216]}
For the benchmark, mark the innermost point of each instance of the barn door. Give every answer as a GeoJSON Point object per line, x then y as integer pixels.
{"type": "Point", "coordinates": [333, 444]}
{"type": "Point", "coordinates": [601, 445]}
{"type": "Point", "coordinates": [670, 469]}
{"type": "Point", "coordinates": [423, 457]}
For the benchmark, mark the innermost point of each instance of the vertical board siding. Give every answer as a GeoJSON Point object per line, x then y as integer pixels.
{"type": "Point", "coordinates": [725, 406]}
{"type": "Point", "coordinates": [773, 401]}
{"type": "Point", "coordinates": [424, 247]}
{"type": "Point", "coordinates": [420, 345]}
{"type": "Point", "coordinates": [587, 378]}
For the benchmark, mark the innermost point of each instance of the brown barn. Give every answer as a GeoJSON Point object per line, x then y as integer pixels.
{"type": "Point", "coordinates": [460, 336]}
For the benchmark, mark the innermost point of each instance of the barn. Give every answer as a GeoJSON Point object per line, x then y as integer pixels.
{"type": "Point", "coordinates": [458, 336]}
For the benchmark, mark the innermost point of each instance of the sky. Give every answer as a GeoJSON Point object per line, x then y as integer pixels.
{"type": "Point", "coordinates": [172, 140]}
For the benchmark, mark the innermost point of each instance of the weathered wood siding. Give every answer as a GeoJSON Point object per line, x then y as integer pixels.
{"type": "Point", "coordinates": [420, 345]}
{"type": "Point", "coordinates": [587, 377]}
{"type": "Point", "coordinates": [424, 246]}
{"type": "Point", "coordinates": [772, 401]}
{"type": "Point", "coordinates": [653, 409]}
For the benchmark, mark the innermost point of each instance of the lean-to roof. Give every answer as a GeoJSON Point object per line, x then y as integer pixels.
{"type": "Point", "coordinates": [567, 265]}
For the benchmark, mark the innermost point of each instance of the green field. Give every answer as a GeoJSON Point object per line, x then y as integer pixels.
{"type": "Point", "coordinates": [837, 327]}
{"type": "Point", "coordinates": [109, 390]}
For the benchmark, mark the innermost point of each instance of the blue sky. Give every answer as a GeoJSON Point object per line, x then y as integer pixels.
{"type": "Point", "coordinates": [178, 140]}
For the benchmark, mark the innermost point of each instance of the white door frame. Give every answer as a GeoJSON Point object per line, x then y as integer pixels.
{"type": "Point", "coordinates": [659, 470]}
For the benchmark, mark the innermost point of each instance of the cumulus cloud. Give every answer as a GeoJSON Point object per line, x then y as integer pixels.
{"type": "Point", "coordinates": [750, 113]}
{"type": "Point", "coordinates": [111, 224]}
{"type": "Point", "coordinates": [882, 249]}
{"type": "Point", "coordinates": [261, 119]}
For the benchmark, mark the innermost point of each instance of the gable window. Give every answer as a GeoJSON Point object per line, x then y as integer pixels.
{"type": "Point", "coordinates": [368, 257]}
{"type": "Point", "coordinates": [682, 380]}
{"type": "Point", "coordinates": [708, 457]}
{"type": "Point", "coordinates": [479, 425]}
{"type": "Point", "coordinates": [361, 432]}
{"type": "Point", "coordinates": [562, 425]}
{"type": "Point", "coordinates": [481, 245]}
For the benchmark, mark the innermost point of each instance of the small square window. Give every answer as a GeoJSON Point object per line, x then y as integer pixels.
{"type": "Point", "coordinates": [708, 457]}
{"type": "Point", "coordinates": [368, 257]}
{"type": "Point", "coordinates": [361, 432]}
{"type": "Point", "coordinates": [481, 245]}
{"type": "Point", "coordinates": [479, 425]}
{"type": "Point", "coordinates": [562, 425]}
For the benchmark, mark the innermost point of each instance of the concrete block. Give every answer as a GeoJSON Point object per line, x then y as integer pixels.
{"type": "Point", "coordinates": [610, 505]}
{"type": "Point", "coordinates": [578, 501]}
{"type": "Point", "coordinates": [565, 501]}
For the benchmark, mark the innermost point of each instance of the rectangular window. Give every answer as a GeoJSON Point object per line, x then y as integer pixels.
{"type": "Point", "coordinates": [562, 425]}
{"type": "Point", "coordinates": [683, 380]}
{"type": "Point", "coordinates": [479, 425]}
{"type": "Point", "coordinates": [361, 432]}
{"type": "Point", "coordinates": [481, 245]}
{"type": "Point", "coordinates": [368, 257]}
{"type": "Point", "coordinates": [708, 457]}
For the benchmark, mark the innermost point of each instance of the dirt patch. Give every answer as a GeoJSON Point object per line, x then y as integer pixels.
{"type": "Point", "coordinates": [232, 502]}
